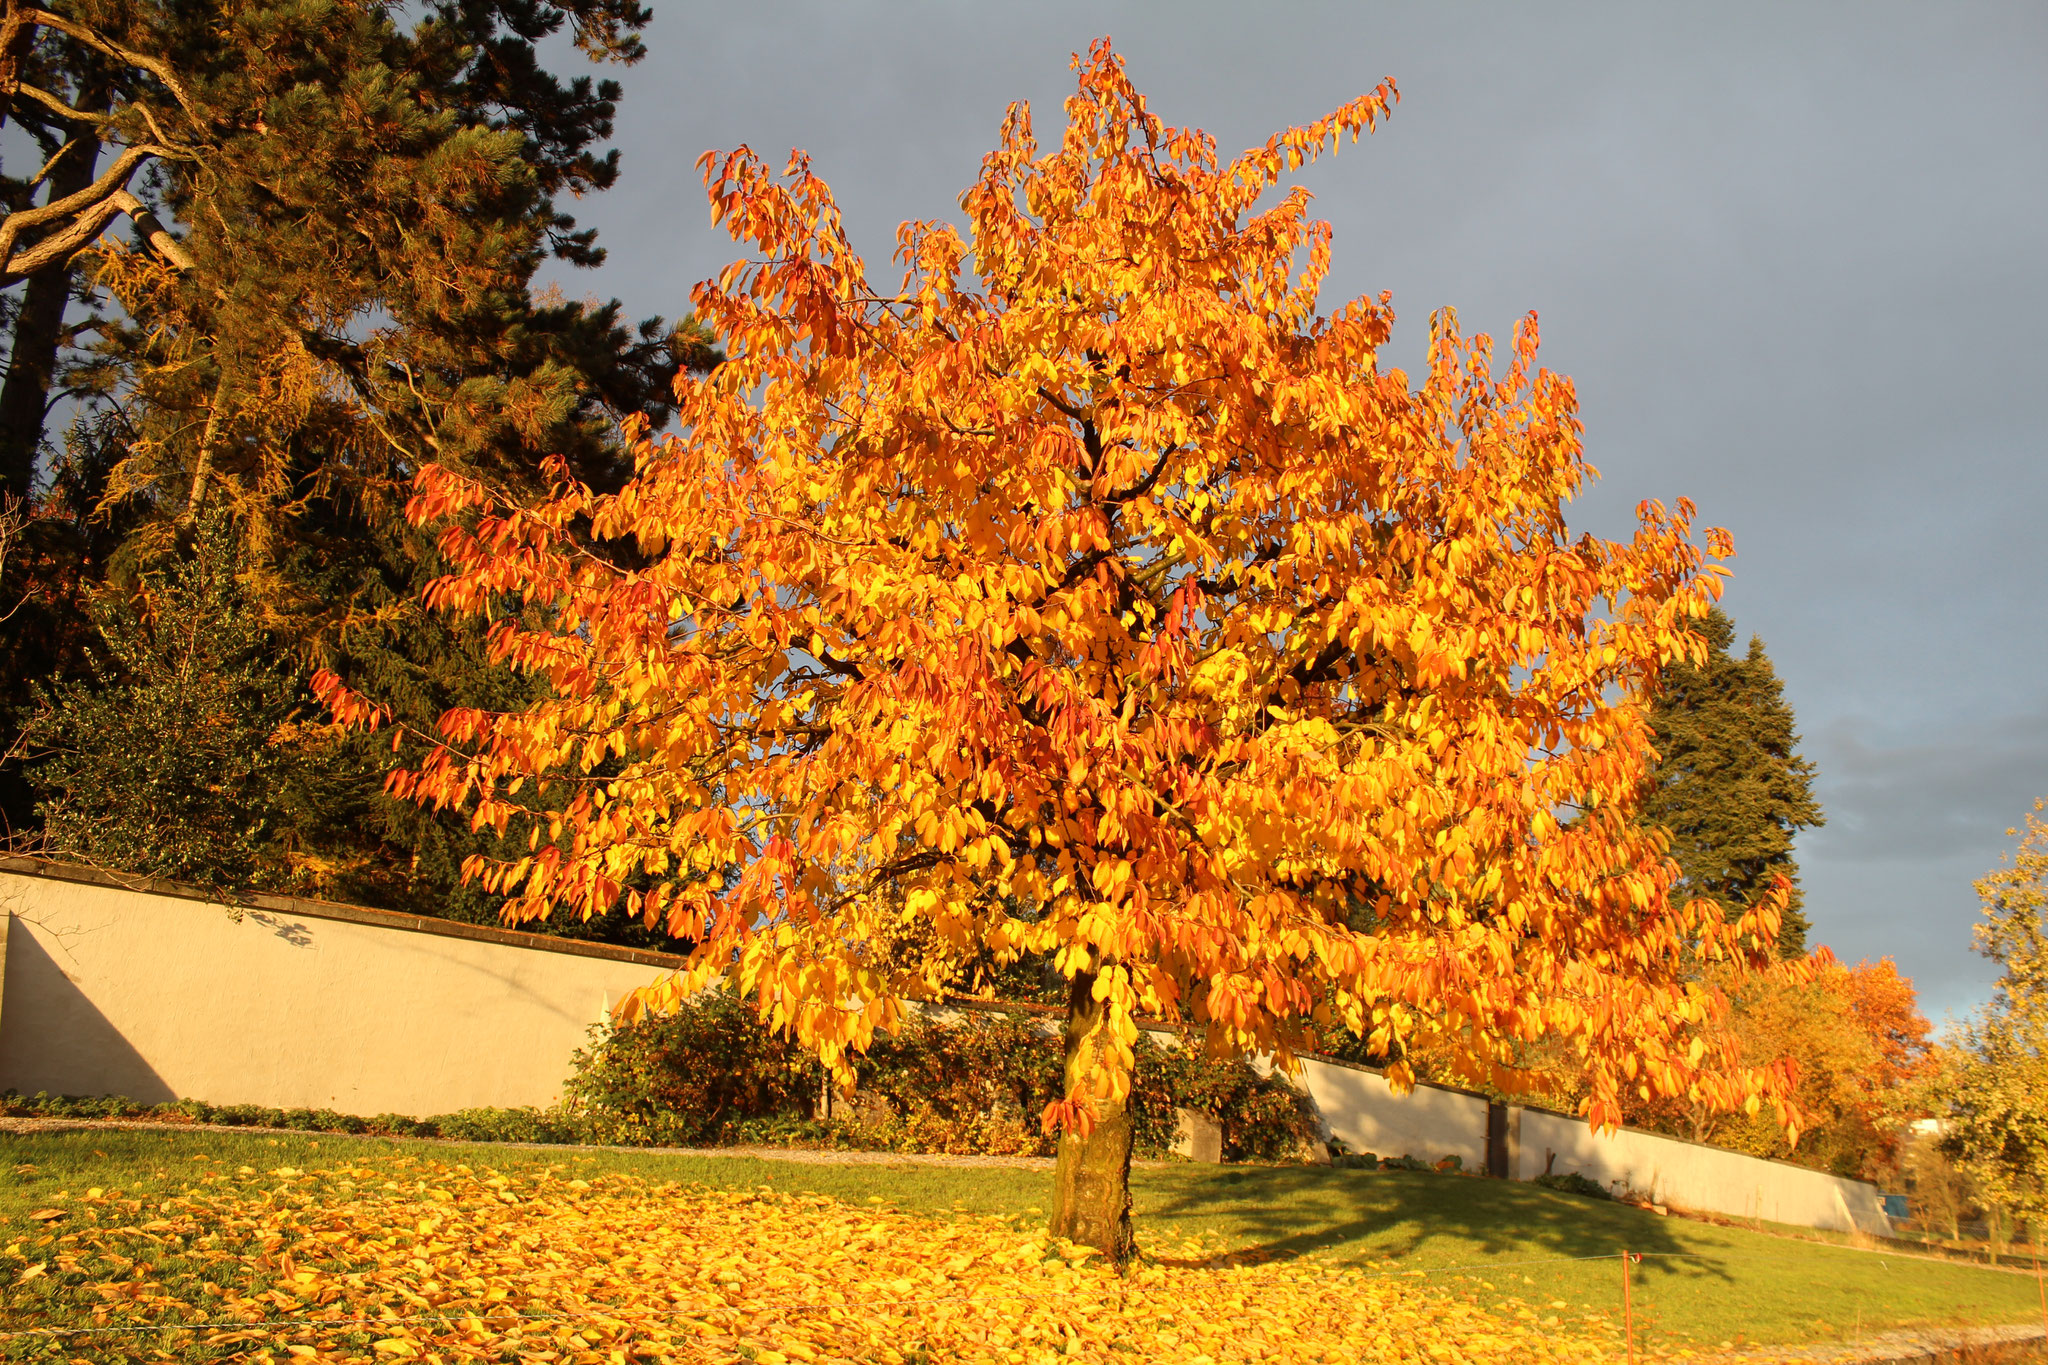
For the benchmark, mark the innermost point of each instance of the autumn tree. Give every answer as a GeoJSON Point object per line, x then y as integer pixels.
{"type": "Point", "coordinates": [1729, 783]}
{"type": "Point", "coordinates": [1858, 1045]}
{"type": "Point", "coordinates": [1094, 570]}
{"type": "Point", "coordinates": [1992, 1090]}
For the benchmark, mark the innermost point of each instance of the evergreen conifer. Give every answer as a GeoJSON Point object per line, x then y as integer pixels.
{"type": "Point", "coordinates": [358, 197]}
{"type": "Point", "coordinates": [1729, 783]}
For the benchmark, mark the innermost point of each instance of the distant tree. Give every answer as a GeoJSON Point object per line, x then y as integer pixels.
{"type": "Point", "coordinates": [1858, 1043]}
{"type": "Point", "coordinates": [1992, 1091]}
{"type": "Point", "coordinates": [1729, 783]}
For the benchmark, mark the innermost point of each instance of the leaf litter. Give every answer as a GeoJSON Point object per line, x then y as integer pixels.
{"type": "Point", "coordinates": [408, 1259]}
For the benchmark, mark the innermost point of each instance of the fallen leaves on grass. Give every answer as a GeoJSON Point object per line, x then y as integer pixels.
{"type": "Point", "coordinates": [417, 1260]}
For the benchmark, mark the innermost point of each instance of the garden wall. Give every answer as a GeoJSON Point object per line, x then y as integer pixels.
{"type": "Point", "coordinates": [124, 986]}
{"type": "Point", "coordinates": [1694, 1176]}
{"type": "Point", "coordinates": [127, 987]}
{"type": "Point", "coordinates": [1431, 1122]}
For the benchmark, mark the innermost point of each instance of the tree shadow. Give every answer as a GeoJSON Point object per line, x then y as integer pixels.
{"type": "Point", "coordinates": [1276, 1213]}
{"type": "Point", "coordinates": [53, 1038]}
{"type": "Point", "coordinates": [291, 931]}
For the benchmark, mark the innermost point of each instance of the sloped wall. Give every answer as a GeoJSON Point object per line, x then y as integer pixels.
{"type": "Point", "coordinates": [1693, 1176]}
{"type": "Point", "coordinates": [1428, 1123]}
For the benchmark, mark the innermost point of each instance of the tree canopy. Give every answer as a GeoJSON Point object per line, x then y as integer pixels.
{"type": "Point", "coordinates": [354, 199]}
{"type": "Point", "coordinates": [1992, 1091]}
{"type": "Point", "coordinates": [1094, 570]}
{"type": "Point", "coordinates": [1729, 783]}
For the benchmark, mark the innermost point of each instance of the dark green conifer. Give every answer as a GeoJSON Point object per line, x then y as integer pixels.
{"type": "Point", "coordinates": [1729, 782]}
{"type": "Point", "coordinates": [358, 196]}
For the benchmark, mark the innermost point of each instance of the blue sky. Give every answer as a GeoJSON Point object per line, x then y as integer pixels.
{"type": "Point", "coordinates": [1792, 254]}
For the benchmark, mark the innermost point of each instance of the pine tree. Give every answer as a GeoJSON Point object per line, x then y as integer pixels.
{"type": "Point", "coordinates": [358, 196]}
{"type": "Point", "coordinates": [1729, 783]}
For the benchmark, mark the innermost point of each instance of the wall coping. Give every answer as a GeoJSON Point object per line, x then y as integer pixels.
{"type": "Point", "coordinates": [49, 870]}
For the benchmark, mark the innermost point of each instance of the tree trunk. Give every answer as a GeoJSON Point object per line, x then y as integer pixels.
{"type": "Point", "coordinates": [38, 333]}
{"type": "Point", "coordinates": [1092, 1202]}
{"type": "Point", "coordinates": [17, 32]}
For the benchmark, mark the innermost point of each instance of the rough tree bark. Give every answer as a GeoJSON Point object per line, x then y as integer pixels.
{"type": "Point", "coordinates": [38, 333]}
{"type": "Point", "coordinates": [1092, 1203]}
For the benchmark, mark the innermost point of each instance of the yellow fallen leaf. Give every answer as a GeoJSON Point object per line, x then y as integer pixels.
{"type": "Point", "coordinates": [429, 1252]}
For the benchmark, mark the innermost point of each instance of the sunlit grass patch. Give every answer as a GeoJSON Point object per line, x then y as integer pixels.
{"type": "Point", "coordinates": [413, 1257]}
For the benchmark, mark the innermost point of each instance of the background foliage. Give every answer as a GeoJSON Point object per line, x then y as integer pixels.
{"type": "Point", "coordinates": [711, 1072]}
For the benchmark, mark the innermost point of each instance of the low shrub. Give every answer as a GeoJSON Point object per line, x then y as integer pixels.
{"type": "Point", "coordinates": [973, 1082]}
{"type": "Point", "coordinates": [469, 1125]}
{"type": "Point", "coordinates": [711, 1074]}
{"type": "Point", "coordinates": [525, 1124]}
{"type": "Point", "coordinates": [1571, 1182]}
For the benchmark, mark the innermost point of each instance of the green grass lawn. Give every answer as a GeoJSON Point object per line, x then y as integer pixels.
{"type": "Point", "coordinates": [1698, 1284]}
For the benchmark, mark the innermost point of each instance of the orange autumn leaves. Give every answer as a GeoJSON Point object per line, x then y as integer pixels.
{"type": "Point", "coordinates": [1095, 595]}
{"type": "Point", "coordinates": [1855, 1040]}
{"type": "Point", "coordinates": [407, 1260]}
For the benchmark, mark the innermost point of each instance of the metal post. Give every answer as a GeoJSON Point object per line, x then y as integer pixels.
{"type": "Point", "coordinates": [1628, 1312]}
{"type": "Point", "coordinates": [1628, 1303]}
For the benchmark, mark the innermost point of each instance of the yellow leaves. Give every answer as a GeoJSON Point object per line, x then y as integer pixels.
{"type": "Point", "coordinates": [613, 1268]}
{"type": "Point", "coordinates": [1108, 551]}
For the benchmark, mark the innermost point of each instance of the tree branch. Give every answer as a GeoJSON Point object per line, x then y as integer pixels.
{"type": "Point", "coordinates": [90, 210]}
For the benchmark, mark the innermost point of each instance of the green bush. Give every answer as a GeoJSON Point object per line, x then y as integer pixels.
{"type": "Point", "coordinates": [525, 1124]}
{"type": "Point", "coordinates": [1404, 1162]}
{"type": "Point", "coordinates": [712, 1074]}
{"type": "Point", "coordinates": [682, 1079]}
{"type": "Point", "coordinates": [1571, 1182]}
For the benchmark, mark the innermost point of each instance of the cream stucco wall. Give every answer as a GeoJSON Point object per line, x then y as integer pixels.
{"type": "Point", "coordinates": [1429, 1123]}
{"type": "Point", "coordinates": [1690, 1175]}
{"type": "Point", "coordinates": [113, 991]}
{"type": "Point", "coordinates": [107, 990]}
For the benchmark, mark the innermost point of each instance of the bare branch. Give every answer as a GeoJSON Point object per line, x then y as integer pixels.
{"type": "Point", "coordinates": [159, 69]}
{"type": "Point", "coordinates": [14, 518]}
{"type": "Point", "coordinates": [61, 109]}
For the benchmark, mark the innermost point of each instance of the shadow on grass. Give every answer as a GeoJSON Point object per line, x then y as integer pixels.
{"type": "Point", "coordinates": [1285, 1212]}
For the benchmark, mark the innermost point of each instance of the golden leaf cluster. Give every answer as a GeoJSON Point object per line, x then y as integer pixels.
{"type": "Point", "coordinates": [407, 1260]}
{"type": "Point", "coordinates": [1094, 595]}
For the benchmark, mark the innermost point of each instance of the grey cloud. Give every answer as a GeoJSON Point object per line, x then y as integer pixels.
{"type": "Point", "coordinates": [1943, 793]}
